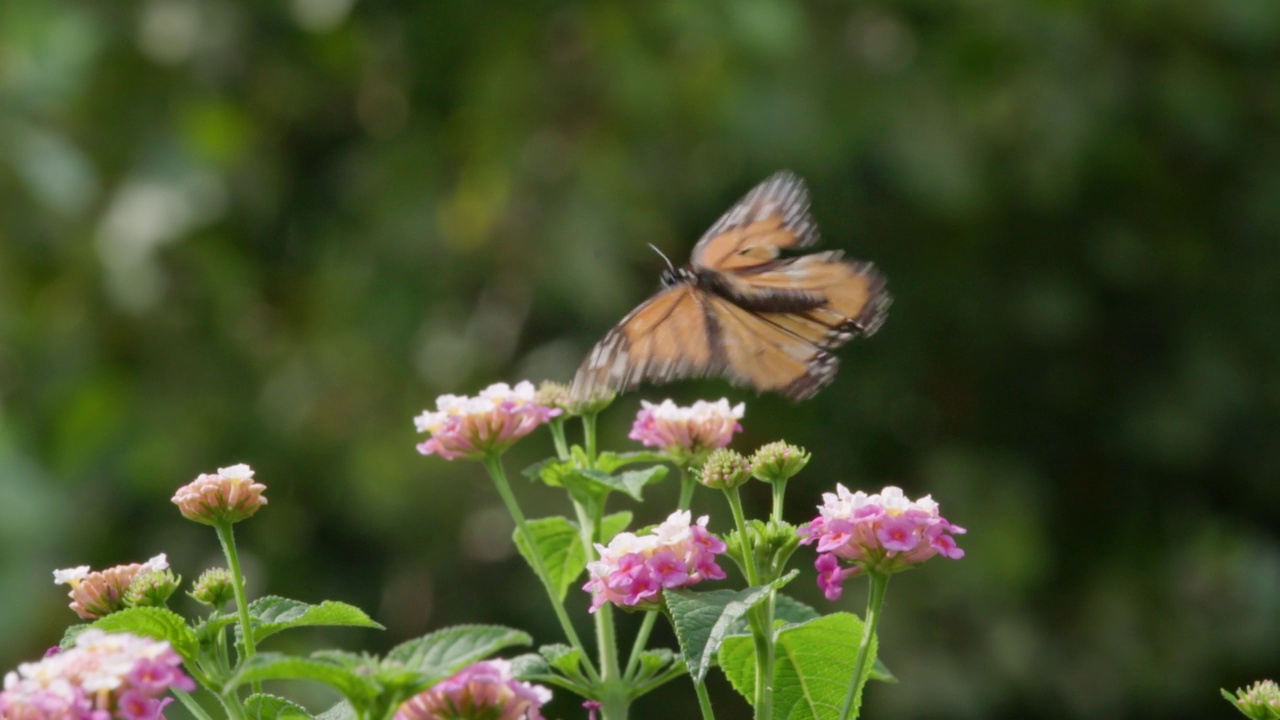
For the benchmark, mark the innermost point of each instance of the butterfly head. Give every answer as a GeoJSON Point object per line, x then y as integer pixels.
{"type": "Point", "coordinates": [672, 277]}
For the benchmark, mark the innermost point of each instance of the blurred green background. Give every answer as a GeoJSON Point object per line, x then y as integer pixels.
{"type": "Point", "coordinates": [273, 232]}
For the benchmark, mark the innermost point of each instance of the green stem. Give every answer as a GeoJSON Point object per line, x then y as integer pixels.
{"type": "Point", "coordinates": [740, 522]}
{"type": "Point", "coordinates": [557, 435]}
{"type": "Point", "coordinates": [704, 701]}
{"type": "Point", "coordinates": [589, 437]}
{"type": "Point", "coordinates": [875, 601]}
{"type": "Point", "coordinates": [190, 704]}
{"type": "Point", "coordinates": [779, 490]}
{"type": "Point", "coordinates": [760, 618]}
{"type": "Point", "coordinates": [228, 539]}
{"type": "Point", "coordinates": [687, 485]}
{"type": "Point", "coordinates": [493, 463]}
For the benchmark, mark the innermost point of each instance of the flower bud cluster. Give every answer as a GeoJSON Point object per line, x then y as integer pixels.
{"type": "Point", "coordinates": [470, 427]}
{"type": "Point", "coordinates": [104, 677]}
{"type": "Point", "coordinates": [102, 592]}
{"type": "Point", "coordinates": [884, 533]}
{"type": "Point", "coordinates": [634, 569]}
{"type": "Point", "coordinates": [482, 690]}
{"type": "Point", "coordinates": [227, 496]}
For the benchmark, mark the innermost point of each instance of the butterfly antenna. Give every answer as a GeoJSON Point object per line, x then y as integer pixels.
{"type": "Point", "coordinates": [670, 266]}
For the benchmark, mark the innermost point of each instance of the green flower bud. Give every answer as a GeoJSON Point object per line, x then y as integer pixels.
{"type": "Point", "coordinates": [151, 588]}
{"type": "Point", "coordinates": [1260, 702]}
{"type": "Point", "coordinates": [778, 461]}
{"type": "Point", "coordinates": [724, 469]}
{"type": "Point", "coordinates": [558, 395]}
{"type": "Point", "coordinates": [214, 588]}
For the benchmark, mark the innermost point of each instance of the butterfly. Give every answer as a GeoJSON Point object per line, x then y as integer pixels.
{"type": "Point", "coordinates": [742, 311]}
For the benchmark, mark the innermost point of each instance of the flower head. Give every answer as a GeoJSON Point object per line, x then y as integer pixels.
{"type": "Point", "coordinates": [884, 533]}
{"type": "Point", "coordinates": [470, 427]}
{"type": "Point", "coordinates": [228, 496]}
{"type": "Point", "coordinates": [104, 677]}
{"type": "Point", "coordinates": [481, 691]}
{"type": "Point", "coordinates": [213, 587]}
{"type": "Point", "coordinates": [151, 588]}
{"type": "Point", "coordinates": [724, 470]}
{"type": "Point", "coordinates": [1261, 701]}
{"type": "Point", "coordinates": [634, 569]}
{"type": "Point", "coordinates": [687, 432]}
{"type": "Point", "coordinates": [778, 461]}
{"type": "Point", "coordinates": [94, 594]}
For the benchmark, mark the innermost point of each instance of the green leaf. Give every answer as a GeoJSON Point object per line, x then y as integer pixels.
{"type": "Point", "coordinates": [792, 611]}
{"type": "Point", "coordinates": [813, 667]}
{"type": "Point", "coordinates": [341, 711]}
{"type": "Point", "coordinates": [532, 667]}
{"type": "Point", "coordinates": [653, 662]}
{"type": "Point", "coordinates": [611, 461]}
{"type": "Point", "coordinates": [73, 632]}
{"type": "Point", "coordinates": [880, 671]}
{"type": "Point", "coordinates": [278, 666]}
{"type": "Point", "coordinates": [560, 546]}
{"type": "Point", "coordinates": [154, 622]}
{"type": "Point", "coordinates": [613, 524]}
{"type": "Point", "coordinates": [262, 706]}
{"type": "Point", "coordinates": [273, 614]}
{"type": "Point", "coordinates": [704, 619]}
{"type": "Point", "coordinates": [444, 652]}
{"type": "Point", "coordinates": [567, 660]}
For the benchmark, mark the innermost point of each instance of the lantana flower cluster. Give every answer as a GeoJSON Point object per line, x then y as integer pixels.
{"type": "Point", "coordinates": [104, 677]}
{"type": "Point", "coordinates": [470, 427]}
{"type": "Point", "coordinates": [885, 533]}
{"type": "Point", "coordinates": [686, 432]}
{"type": "Point", "coordinates": [633, 570]}
{"type": "Point", "coordinates": [481, 690]}
{"type": "Point", "coordinates": [227, 496]}
{"type": "Point", "coordinates": [102, 592]}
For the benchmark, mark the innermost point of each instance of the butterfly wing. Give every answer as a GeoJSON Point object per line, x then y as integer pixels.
{"type": "Point", "coordinates": [772, 216]}
{"type": "Point", "coordinates": [667, 337]}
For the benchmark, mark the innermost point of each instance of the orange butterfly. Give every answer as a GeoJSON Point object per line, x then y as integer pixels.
{"type": "Point", "coordinates": [742, 312]}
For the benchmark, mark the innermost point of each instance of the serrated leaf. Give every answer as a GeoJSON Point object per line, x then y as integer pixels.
{"type": "Point", "coordinates": [812, 670]}
{"type": "Point", "coordinates": [444, 652]}
{"type": "Point", "coordinates": [273, 614]}
{"type": "Point", "coordinates": [70, 635]}
{"type": "Point", "coordinates": [532, 667]}
{"type": "Point", "coordinates": [559, 544]}
{"type": "Point", "coordinates": [262, 706]}
{"type": "Point", "coordinates": [341, 711]}
{"type": "Point", "coordinates": [153, 622]}
{"type": "Point", "coordinates": [611, 461]}
{"type": "Point", "coordinates": [545, 470]}
{"type": "Point", "coordinates": [613, 524]}
{"type": "Point", "coordinates": [278, 666]}
{"type": "Point", "coordinates": [792, 611]}
{"type": "Point", "coordinates": [633, 481]}
{"type": "Point", "coordinates": [703, 620]}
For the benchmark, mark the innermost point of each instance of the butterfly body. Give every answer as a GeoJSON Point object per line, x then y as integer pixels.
{"type": "Point", "coordinates": [743, 311]}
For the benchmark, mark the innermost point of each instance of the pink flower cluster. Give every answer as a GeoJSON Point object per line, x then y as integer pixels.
{"type": "Point", "coordinates": [633, 570]}
{"type": "Point", "coordinates": [884, 533]}
{"type": "Point", "coordinates": [229, 496]}
{"type": "Point", "coordinates": [104, 677]}
{"type": "Point", "coordinates": [481, 690]}
{"type": "Point", "coordinates": [687, 431]}
{"type": "Point", "coordinates": [470, 427]}
{"type": "Point", "coordinates": [97, 593]}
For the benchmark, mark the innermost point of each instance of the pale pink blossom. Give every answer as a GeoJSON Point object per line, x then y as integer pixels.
{"type": "Point", "coordinates": [484, 691]}
{"type": "Point", "coordinates": [884, 533]}
{"type": "Point", "coordinates": [471, 427]}
{"type": "Point", "coordinates": [227, 496]}
{"type": "Point", "coordinates": [99, 593]}
{"type": "Point", "coordinates": [113, 676]}
{"type": "Point", "coordinates": [687, 431]}
{"type": "Point", "coordinates": [633, 570]}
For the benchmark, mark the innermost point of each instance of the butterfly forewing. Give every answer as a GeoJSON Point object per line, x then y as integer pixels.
{"type": "Point", "coordinates": [774, 215]}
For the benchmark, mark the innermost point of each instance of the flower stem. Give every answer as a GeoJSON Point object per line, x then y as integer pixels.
{"type": "Point", "coordinates": [704, 701]}
{"type": "Point", "coordinates": [760, 617]}
{"type": "Point", "coordinates": [779, 490]}
{"type": "Point", "coordinates": [687, 484]}
{"type": "Point", "coordinates": [557, 435]}
{"type": "Point", "coordinates": [190, 704]}
{"type": "Point", "coordinates": [875, 601]}
{"type": "Point", "coordinates": [493, 463]}
{"type": "Point", "coordinates": [589, 436]}
{"type": "Point", "coordinates": [228, 539]}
